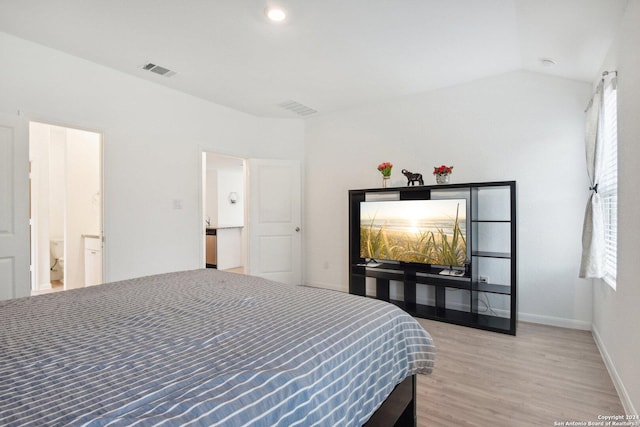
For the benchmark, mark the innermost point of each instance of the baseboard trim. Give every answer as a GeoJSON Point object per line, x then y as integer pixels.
{"type": "Point", "coordinates": [329, 286]}
{"type": "Point", "coordinates": [560, 322]}
{"type": "Point", "coordinates": [613, 373]}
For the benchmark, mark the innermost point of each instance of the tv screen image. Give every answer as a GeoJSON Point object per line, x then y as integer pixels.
{"type": "Point", "coordinates": [415, 231]}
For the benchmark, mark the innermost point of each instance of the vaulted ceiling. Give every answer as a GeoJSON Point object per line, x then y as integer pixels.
{"type": "Point", "coordinates": [328, 54]}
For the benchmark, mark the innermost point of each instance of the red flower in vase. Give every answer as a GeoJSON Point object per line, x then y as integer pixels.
{"type": "Point", "coordinates": [442, 170]}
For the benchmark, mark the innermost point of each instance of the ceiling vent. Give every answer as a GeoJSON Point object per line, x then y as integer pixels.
{"type": "Point", "coordinates": [296, 107]}
{"type": "Point", "coordinates": [158, 69]}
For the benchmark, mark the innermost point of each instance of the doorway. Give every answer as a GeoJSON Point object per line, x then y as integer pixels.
{"type": "Point", "coordinates": [65, 186]}
{"type": "Point", "coordinates": [224, 212]}
{"type": "Point", "coordinates": [267, 193]}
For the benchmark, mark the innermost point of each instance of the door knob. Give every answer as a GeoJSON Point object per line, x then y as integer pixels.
{"type": "Point", "coordinates": [297, 229]}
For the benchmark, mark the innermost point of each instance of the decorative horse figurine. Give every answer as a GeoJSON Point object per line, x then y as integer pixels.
{"type": "Point", "coordinates": [412, 178]}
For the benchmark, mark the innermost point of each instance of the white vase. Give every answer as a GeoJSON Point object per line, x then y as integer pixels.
{"type": "Point", "coordinates": [442, 179]}
{"type": "Point", "coordinates": [386, 181]}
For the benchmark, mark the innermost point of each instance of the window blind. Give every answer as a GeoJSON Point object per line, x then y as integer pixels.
{"type": "Point", "coordinates": [608, 183]}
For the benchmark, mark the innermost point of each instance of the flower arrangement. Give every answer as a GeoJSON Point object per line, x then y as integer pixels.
{"type": "Point", "coordinates": [442, 170]}
{"type": "Point", "coordinates": [385, 168]}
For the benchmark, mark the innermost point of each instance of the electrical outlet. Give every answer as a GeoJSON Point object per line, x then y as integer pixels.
{"type": "Point", "coordinates": [483, 279]}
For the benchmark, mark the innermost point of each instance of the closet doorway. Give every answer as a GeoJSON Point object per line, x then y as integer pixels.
{"type": "Point", "coordinates": [65, 186]}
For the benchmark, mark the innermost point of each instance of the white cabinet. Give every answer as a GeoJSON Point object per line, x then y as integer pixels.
{"type": "Point", "coordinates": [229, 247]}
{"type": "Point", "coordinates": [92, 261]}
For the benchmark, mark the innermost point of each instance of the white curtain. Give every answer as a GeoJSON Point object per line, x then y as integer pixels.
{"type": "Point", "coordinates": [593, 246]}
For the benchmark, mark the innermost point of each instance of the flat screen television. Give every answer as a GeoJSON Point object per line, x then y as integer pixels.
{"type": "Point", "coordinates": [415, 231]}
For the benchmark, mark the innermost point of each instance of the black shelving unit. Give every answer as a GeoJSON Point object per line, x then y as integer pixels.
{"type": "Point", "coordinates": [491, 247]}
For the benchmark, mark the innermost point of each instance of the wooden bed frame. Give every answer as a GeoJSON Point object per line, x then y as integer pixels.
{"type": "Point", "coordinates": [399, 409]}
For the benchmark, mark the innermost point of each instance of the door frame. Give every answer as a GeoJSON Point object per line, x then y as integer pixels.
{"type": "Point", "coordinates": [70, 125]}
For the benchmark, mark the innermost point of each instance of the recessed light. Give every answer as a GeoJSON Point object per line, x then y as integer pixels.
{"type": "Point", "coordinates": [276, 14]}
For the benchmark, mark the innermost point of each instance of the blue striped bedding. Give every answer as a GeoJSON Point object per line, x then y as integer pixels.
{"type": "Point", "coordinates": [203, 348]}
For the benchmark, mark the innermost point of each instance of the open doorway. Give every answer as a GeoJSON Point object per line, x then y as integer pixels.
{"type": "Point", "coordinates": [65, 208]}
{"type": "Point", "coordinates": [224, 212]}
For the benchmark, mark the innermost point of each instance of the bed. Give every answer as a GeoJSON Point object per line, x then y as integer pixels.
{"type": "Point", "coordinates": [203, 348]}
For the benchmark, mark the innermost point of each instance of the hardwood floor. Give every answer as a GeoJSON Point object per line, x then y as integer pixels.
{"type": "Point", "coordinates": [541, 376]}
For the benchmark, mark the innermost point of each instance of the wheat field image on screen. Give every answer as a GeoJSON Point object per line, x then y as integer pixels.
{"type": "Point", "coordinates": [419, 231]}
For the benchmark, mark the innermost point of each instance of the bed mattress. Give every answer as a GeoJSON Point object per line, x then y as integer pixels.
{"type": "Point", "coordinates": [203, 347]}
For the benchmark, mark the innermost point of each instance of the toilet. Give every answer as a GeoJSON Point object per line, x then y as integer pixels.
{"type": "Point", "coordinates": [56, 247]}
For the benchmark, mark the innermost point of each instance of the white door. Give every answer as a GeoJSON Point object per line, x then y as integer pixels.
{"type": "Point", "coordinates": [275, 242]}
{"type": "Point", "coordinates": [14, 208]}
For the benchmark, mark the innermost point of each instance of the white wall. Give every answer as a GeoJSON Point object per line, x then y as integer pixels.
{"type": "Point", "coordinates": [211, 197]}
{"type": "Point", "coordinates": [616, 314]}
{"type": "Point", "coordinates": [230, 214]}
{"type": "Point", "coordinates": [57, 188]}
{"type": "Point", "coordinates": [153, 137]}
{"type": "Point", "coordinates": [82, 215]}
{"type": "Point", "coordinates": [219, 184]}
{"type": "Point", "coordinates": [519, 126]}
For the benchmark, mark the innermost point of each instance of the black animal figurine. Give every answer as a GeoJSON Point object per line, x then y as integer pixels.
{"type": "Point", "coordinates": [412, 178]}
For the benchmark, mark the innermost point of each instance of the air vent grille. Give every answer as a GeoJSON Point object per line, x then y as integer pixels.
{"type": "Point", "coordinates": [163, 71]}
{"type": "Point", "coordinates": [296, 107]}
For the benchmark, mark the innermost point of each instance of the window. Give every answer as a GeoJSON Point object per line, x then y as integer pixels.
{"type": "Point", "coordinates": [608, 185]}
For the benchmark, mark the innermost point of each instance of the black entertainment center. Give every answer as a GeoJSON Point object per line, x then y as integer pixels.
{"type": "Point", "coordinates": [462, 271]}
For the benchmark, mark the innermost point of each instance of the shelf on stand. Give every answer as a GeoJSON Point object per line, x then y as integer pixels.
{"type": "Point", "coordinates": [458, 317]}
{"type": "Point", "coordinates": [491, 288]}
{"type": "Point", "coordinates": [487, 254]}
